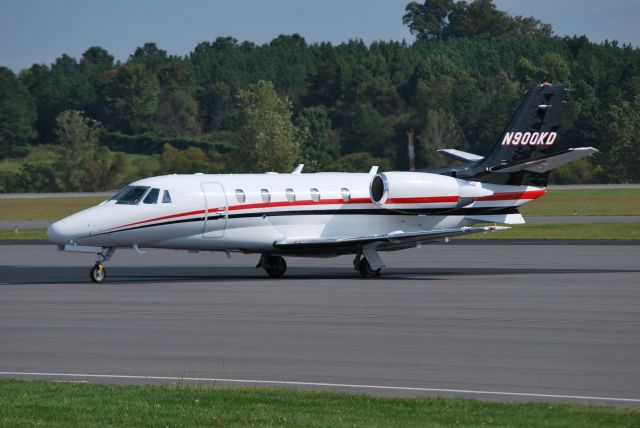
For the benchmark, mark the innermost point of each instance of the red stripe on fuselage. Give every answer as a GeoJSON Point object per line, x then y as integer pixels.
{"type": "Point", "coordinates": [160, 218]}
{"type": "Point", "coordinates": [415, 200]}
{"type": "Point", "coordinates": [512, 196]}
{"type": "Point", "coordinates": [423, 200]}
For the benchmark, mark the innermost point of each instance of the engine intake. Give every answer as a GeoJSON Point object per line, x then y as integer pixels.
{"type": "Point", "coordinates": [438, 191]}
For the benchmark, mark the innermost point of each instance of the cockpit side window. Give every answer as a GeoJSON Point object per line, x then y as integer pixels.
{"type": "Point", "coordinates": [166, 197]}
{"type": "Point", "coordinates": [130, 195]}
{"type": "Point", "coordinates": [152, 196]}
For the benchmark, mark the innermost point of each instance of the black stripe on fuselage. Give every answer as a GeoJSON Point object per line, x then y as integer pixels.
{"type": "Point", "coordinates": [143, 226]}
{"type": "Point", "coordinates": [365, 211]}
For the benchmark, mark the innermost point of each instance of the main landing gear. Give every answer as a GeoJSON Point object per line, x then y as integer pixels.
{"type": "Point", "coordinates": [361, 264]}
{"type": "Point", "coordinates": [98, 272]}
{"type": "Point", "coordinates": [275, 266]}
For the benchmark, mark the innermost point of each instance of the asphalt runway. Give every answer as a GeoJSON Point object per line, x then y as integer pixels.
{"type": "Point", "coordinates": [509, 321]}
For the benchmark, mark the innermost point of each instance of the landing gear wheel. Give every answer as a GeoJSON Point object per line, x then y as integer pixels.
{"type": "Point", "coordinates": [275, 266]}
{"type": "Point", "coordinates": [97, 273]}
{"type": "Point", "coordinates": [366, 271]}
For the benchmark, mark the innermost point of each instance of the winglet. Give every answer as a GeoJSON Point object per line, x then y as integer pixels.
{"type": "Point", "coordinates": [298, 169]}
{"type": "Point", "coordinates": [373, 170]}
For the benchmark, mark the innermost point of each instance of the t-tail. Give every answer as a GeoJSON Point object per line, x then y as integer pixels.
{"type": "Point", "coordinates": [526, 151]}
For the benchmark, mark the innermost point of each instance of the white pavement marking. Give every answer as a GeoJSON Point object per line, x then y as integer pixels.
{"type": "Point", "coordinates": [321, 384]}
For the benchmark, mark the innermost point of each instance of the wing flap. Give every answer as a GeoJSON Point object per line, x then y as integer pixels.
{"type": "Point", "coordinates": [514, 218]}
{"type": "Point", "coordinates": [393, 238]}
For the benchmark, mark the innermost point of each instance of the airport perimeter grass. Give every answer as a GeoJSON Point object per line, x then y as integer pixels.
{"type": "Point", "coordinates": [583, 202]}
{"type": "Point", "coordinates": [558, 231]}
{"type": "Point", "coordinates": [23, 235]}
{"type": "Point", "coordinates": [44, 208]}
{"type": "Point", "coordinates": [55, 404]}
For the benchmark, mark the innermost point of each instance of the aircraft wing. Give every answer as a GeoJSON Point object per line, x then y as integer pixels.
{"type": "Point", "coordinates": [393, 239]}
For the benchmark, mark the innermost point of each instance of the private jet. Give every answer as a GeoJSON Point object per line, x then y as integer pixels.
{"type": "Point", "coordinates": [332, 213]}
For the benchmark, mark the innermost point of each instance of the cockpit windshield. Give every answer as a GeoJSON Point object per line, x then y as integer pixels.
{"type": "Point", "coordinates": [130, 195]}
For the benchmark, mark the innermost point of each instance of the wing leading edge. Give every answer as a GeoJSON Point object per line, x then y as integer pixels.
{"type": "Point", "coordinates": [388, 240]}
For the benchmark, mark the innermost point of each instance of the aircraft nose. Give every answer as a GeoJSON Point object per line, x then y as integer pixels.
{"type": "Point", "coordinates": [59, 232]}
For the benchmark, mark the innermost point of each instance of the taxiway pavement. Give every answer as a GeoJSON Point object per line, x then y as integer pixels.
{"type": "Point", "coordinates": [509, 321]}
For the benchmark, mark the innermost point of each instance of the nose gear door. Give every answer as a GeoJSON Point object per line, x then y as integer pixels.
{"type": "Point", "coordinates": [215, 205]}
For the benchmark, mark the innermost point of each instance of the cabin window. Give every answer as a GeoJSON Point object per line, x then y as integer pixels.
{"type": "Point", "coordinates": [166, 197]}
{"type": "Point", "coordinates": [315, 195]}
{"type": "Point", "coordinates": [130, 195]}
{"type": "Point", "coordinates": [240, 196]}
{"type": "Point", "coordinates": [152, 196]}
{"type": "Point", "coordinates": [346, 195]}
{"type": "Point", "coordinates": [291, 195]}
{"type": "Point", "coordinates": [266, 196]}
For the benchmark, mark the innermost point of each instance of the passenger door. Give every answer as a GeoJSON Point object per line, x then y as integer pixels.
{"type": "Point", "coordinates": [215, 204]}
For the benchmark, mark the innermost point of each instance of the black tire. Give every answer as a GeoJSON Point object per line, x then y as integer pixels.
{"type": "Point", "coordinates": [97, 273]}
{"type": "Point", "coordinates": [275, 266]}
{"type": "Point", "coordinates": [366, 271]}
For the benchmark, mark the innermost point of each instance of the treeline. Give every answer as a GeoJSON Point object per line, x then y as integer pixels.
{"type": "Point", "coordinates": [232, 106]}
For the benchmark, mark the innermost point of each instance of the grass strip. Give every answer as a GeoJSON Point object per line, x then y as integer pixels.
{"type": "Point", "coordinates": [61, 404]}
{"type": "Point", "coordinates": [44, 208]}
{"type": "Point", "coordinates": [585, 202]}
{"type": "Point", "coordinates": [568, 231]}
{"type": "Point", "coordinates": [22, 234]}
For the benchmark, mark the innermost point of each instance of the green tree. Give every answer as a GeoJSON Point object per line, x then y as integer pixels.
{"type": "Point", "coordinates": [95, 62]}
{"type": "Point", "coordinates": [556, 67]}
{"type": "Point", "coordinates": [267, 140]}
{"type": "Point", "coordinates": [479, 17]}
{"type": "Point", "coordinates": [428, 21]}
{"type": "Point", "coordinates": [56, 89]}
{"type": "Point", "coordinates": [177, 113]}
{"type": "Point", "coordinates": [188, 161]}
{"type": "Point", "coordinates": [78, 137]}
{"type": "Point", "coordinates": [441, 132]}
{"type": "Point", "coordinates": [216, 102]}
{"type": "Point", "coordinates": [318, 145]}
{"type": "Point", "coordinates": [33, 177]}
{"type": "Point", "coordinates": [367, 131]}
{"type": "Point", "coordinates": [17, 114]}
{"type": "Point", "coordinates": [104, 170]}
{"type": "Point", "coordinates": [131, 99]}
{"type": "Point", "coordinates": [359, 162]}
{"type": "Point", "coordinates": [624, 151]}
{"type": "Point", "coordinates": [81, 164]}
{"type": "Point", "coordinates": [150, 56]}
{"type": "Point", "coordinates": [439, 19]}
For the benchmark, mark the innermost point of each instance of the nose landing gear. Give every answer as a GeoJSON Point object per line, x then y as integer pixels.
{"type": "Point", "coordinates": [98, 272]}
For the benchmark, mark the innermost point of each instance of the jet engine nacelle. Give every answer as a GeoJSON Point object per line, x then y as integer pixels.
{"type": "Point", "coordinates": [399, 187]}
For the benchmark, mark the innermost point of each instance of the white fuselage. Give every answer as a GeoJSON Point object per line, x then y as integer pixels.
{"type": "Point", "coordinates": [249, 212]}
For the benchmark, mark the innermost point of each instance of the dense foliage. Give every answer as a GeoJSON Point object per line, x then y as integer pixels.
{"type": "Point", "coordinates": [248, 107]}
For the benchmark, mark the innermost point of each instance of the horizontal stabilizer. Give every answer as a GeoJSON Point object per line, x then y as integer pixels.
{"type": "Point", "coordinates": [460, 155]}
{"type": "Point", "coordinates": [546, 163]}
{"type": "Point", "coordinates": [387, 239]}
